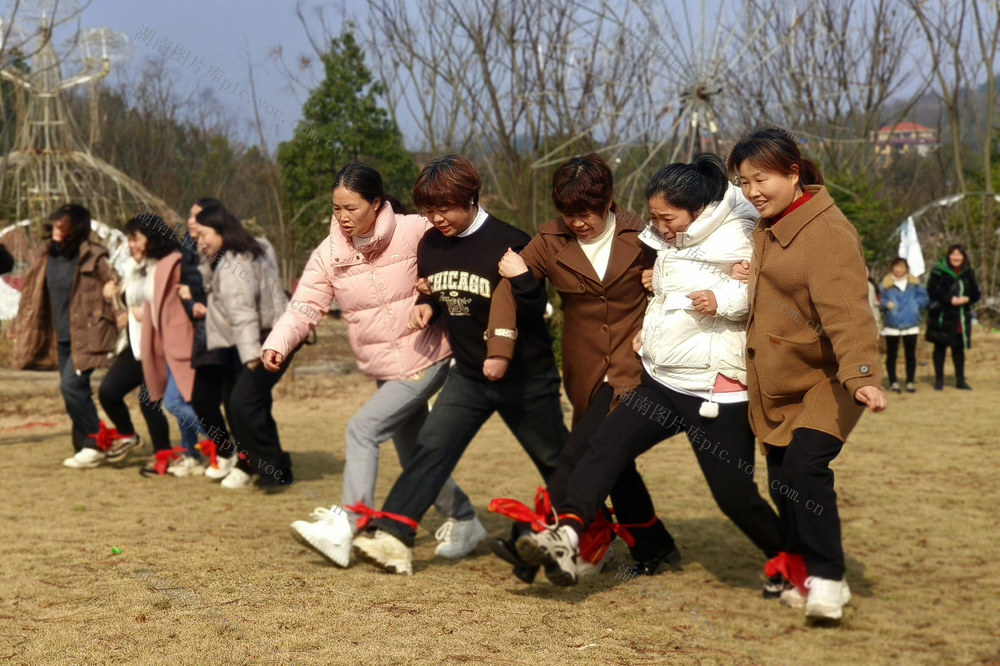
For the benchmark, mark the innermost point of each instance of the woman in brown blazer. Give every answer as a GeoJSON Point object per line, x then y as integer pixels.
{"type": "Point", "coordinates": [595, 261]}
{"type": "Point", "coordinates": [812, 358]}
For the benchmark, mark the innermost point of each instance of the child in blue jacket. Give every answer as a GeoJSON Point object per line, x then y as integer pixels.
{"type": "Point", "coordinates": [903, 299]}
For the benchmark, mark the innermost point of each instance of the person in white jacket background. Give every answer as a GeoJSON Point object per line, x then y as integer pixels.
{"type": "Point", "coordinates": [694, 380]}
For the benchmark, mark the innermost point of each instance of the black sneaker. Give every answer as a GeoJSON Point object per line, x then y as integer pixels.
{"type": "Point", "coordinates": [506, 551]}
{"type": "Point", "coordinates": [775, 586]}
{"type": "Point", "coordinates": [277, 482]}
{"type": "Point", "coordinates": [939, 385]}
{"type": "Point", "coordinates": [963, 386]}
{"type": "Point", "coordinates": [671, 558]}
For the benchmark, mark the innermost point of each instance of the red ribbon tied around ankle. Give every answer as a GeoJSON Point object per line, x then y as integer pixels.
{"type": "Point", "coordinates": [790, 565]}
{"type": "Point", "coordinates": [165, 457]}
{"type": "Point", "coordinates": [209, 448]}
{"type": "Point", "coordinates": [105, 438]}
{"type": "Point", "coordinates": [369, 514]}
{"type": "Point", "coordinates": [539, 519]}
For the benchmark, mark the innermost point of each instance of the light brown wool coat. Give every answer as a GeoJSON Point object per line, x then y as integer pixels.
{"type": "Point", "coordinates": [600, 317]}
{"type": "Point", "coordinates": [811, 337]}
{"type": "Point", "coordinates": [93, 332]}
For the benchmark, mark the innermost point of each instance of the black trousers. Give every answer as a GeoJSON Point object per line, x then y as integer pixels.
{"type": "Point", "coordinates": [250, 419]}
{"type": "Point", "coordinates": [724, 447]}
{"type": "Point", "coordinates": [909, 351]}
{"type": "Point", "coordinates": [957, 357]}
{"type": "Point", "coordinates": [530, 407]}
{"type": "Point", "coordinates": [123, 377]}
{"type": "Point", "coordinates": [801, 484]}
{"type": "Point", "coordinates": [213, 387]}
{"type": "Point", "coordinates": [629, 495]}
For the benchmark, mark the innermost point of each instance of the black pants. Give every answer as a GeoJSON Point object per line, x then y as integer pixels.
{"type": "Point", "coordinates": [724, 447]}
{"type": "Point", "coordinates": [957, 357]}
{"type": "Point", "coordinates": [213, 387]}
{"type": "Point", "coordinates": [909, 351]}
{"type": "Point", "coordinates": [250, 419]}
{"type": "Point", "coordinates": [629, 495]}
{"type": "Point", "coordinates": [530, 408]}
{"type": "Point", "coordinates": [78, 398]}
{"type": "Point", "coordinates": [124, 377]}
{"type": "Point", "coordinates": [801, 484]}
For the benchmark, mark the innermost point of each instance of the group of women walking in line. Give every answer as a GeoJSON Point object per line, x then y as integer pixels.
{"type": "Point", "coordinates": [738, 314]}
{"type": "Point", "coordinates": [787, 354]}
{"type": "Point", "coordinates": [185, 326]}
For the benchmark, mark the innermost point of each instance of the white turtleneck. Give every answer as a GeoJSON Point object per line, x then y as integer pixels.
{"type": "Point", "coordinates": [598, 250]}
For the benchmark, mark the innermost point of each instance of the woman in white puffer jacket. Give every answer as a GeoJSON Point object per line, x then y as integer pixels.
{"type": "Point", "coordinates": [684, 348]}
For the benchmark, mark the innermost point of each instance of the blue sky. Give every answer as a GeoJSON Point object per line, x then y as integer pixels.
{"type": "Point", "coordinates": [218, 36]}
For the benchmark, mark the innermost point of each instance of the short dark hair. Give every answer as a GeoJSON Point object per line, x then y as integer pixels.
{"type": "Point", "coordinates": [692, 186]}
{"type": "Point", "coordinates": [235, 237]}
{"type": "Point", "coordinates": [159, 236]}
{"type": "Point", "coordinates": [80, 225]}
{"type": "Point", "coordinates": [451, 180]}
{"type": "Point", "coordinates": [900, 260]}
{"type": "Point", "coordinates": [773, 149]}
{"type": "Point", "coordinates": [583, 184]}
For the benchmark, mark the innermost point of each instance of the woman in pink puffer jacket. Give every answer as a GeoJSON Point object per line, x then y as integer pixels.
{"type": "Point", "coordinates": [369, 265]}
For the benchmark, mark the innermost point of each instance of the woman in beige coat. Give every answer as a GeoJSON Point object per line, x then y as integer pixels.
{"type": "Point", "coordinates": [812, 358]}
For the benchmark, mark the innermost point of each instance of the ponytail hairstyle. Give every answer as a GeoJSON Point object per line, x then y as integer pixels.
{"type": "Point", "coordinates": [583, 184]}
{"type": "Point", "coordinates": [773, 149]}
{"type": "Point", "coordinates": [363, 180]}
{"type": "Point", "coordinates": [79, 222]}
{"type": "Point", "coordinates": [693, 186]}
{"type": "Point", "coordinates": [235, 237]}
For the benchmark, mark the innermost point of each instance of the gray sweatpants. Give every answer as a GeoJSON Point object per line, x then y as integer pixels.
{"type": "Point", "coordinates": [396, 411]}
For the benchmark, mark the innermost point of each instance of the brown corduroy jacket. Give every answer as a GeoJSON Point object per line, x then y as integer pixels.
{"type": "Point", "coordinates": [600, 317]}
{"type": "Point", "coordinates": [93, 331]}
{"type": "Point", "coordinates": [811, 337]}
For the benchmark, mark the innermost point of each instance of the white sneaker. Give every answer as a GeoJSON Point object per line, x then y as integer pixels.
{"type": "Point", "coordinates": [554, 549]}
{"type": "Point", "coordinates": [459, 537]}
{"type": "Point", "coordinates": [793, 598]}
{"type": "Point", "coordinates": [85, 458]}
{"type": "Point", "coordinates": [185, 465]}
{"type": "Point", "coordinates": [224, 466]}
{"type": "Point", "coordinates": [584, 569]}
{"type": "Point", "coordinates": [827, 598]}
{"type": "Point", "coordinates": [237, 478]}
{"type": "Point", "coordinates": [331, 534]}
{"type": "Point", "coordinates": [385, 551]}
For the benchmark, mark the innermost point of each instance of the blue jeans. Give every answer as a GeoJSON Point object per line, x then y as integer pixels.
{"type": "Point", "coordinates": [79, 399]}
{"type": "Point", "coordinates": [187, 420]}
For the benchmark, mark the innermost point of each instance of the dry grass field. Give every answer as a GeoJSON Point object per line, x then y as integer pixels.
{"type": "Point", "coordinates": [210, 576]}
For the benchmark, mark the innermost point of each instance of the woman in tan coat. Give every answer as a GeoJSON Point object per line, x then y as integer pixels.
{"type": "Point", "coordinates": [812, 358]}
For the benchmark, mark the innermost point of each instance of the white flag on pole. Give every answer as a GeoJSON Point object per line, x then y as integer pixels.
{"type": "Point", "coordinates": [909, 247]}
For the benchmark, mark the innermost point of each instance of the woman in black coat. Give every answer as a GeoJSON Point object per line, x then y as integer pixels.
{"type": "Point", "coordinates": [953, 290]}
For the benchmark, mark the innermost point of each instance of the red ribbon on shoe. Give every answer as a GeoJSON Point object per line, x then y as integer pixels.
{"type": "Point", "coordinates": [369, 514]}
{"type": "Point", "coordinates": [209, 448]}
{"type": "Point", "coordinates": [165, 457]}
{"type": "Point", "coordinates": [790, 565]}
{"type": "Point", "coordinates": [539, 519]}
{"type": "Point", "coordinates": [105, 438]}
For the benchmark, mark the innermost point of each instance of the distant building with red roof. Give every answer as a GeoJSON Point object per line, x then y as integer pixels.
{"type": "Point", "coordinates": [904, 138]}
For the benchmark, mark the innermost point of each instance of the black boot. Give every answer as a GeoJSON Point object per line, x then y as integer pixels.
{"type": "Point", "coordinates": [653, 546]}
